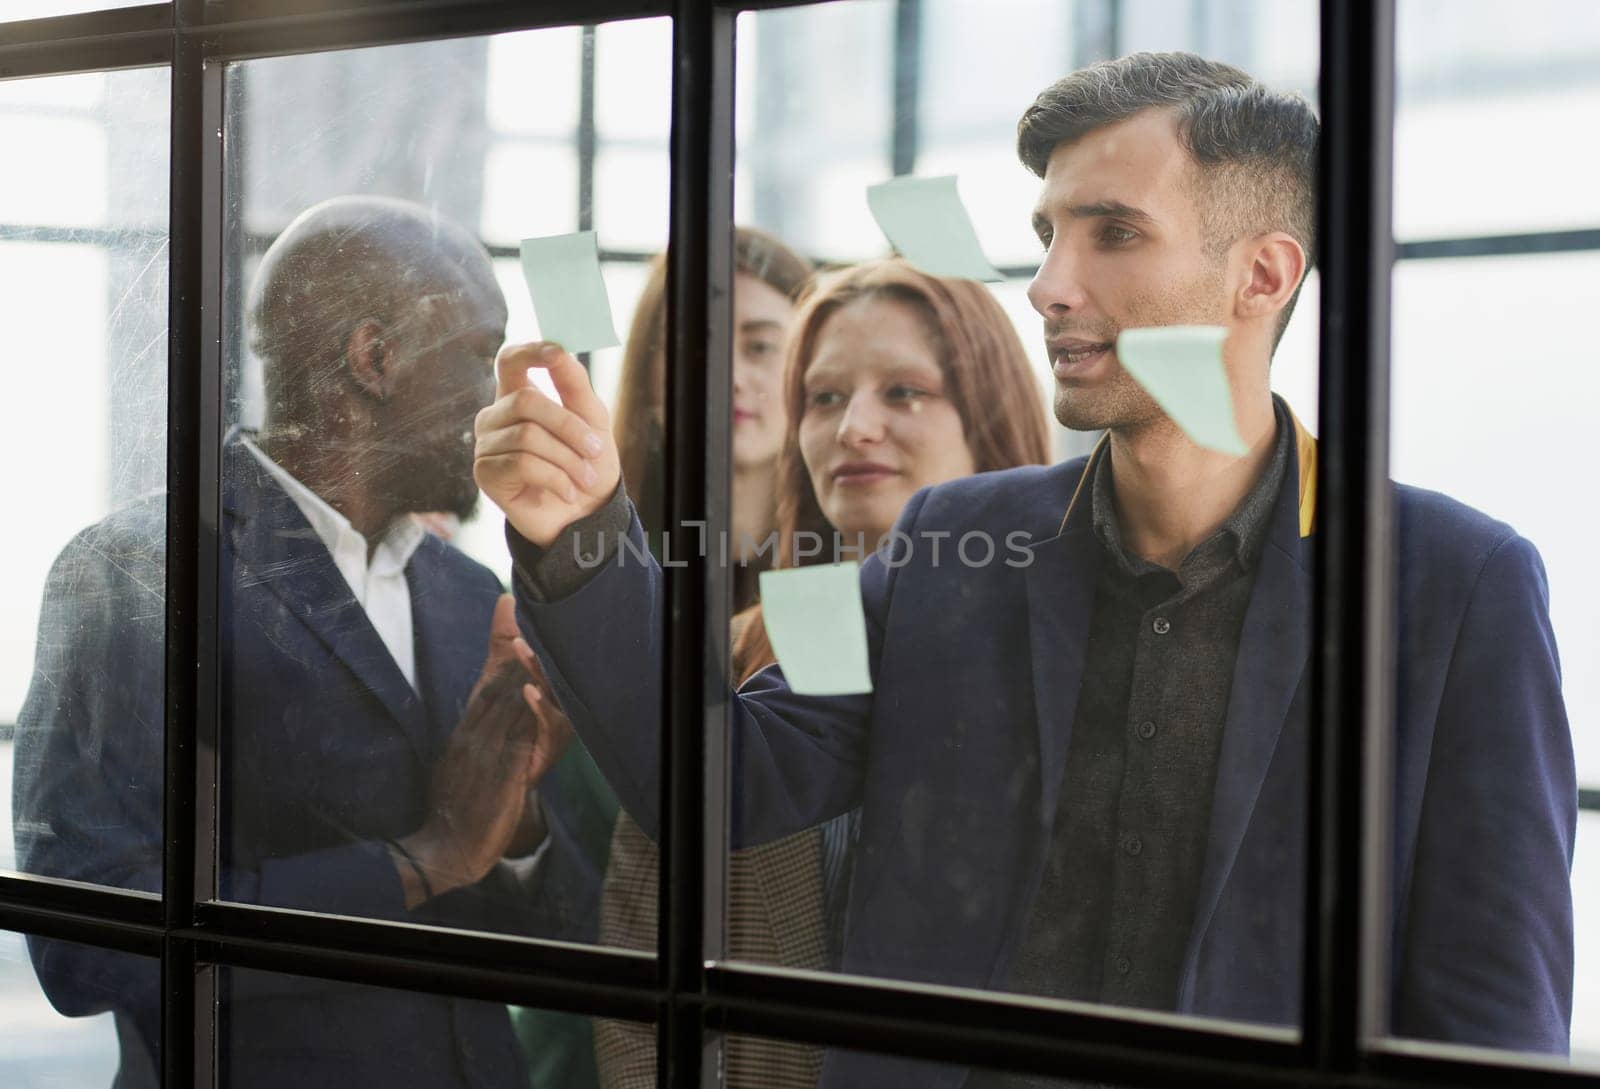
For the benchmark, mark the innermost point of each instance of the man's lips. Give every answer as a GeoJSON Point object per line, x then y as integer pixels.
{"type": "Point", "coordinates": [862, 473]}
{"type": "Point", "coordinates": [1075, 358]}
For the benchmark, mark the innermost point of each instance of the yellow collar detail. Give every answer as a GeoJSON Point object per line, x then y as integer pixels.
{"type": "Point", "coordinates": [1305, 455]}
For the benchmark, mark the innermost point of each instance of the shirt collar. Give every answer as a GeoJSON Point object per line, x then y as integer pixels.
{"type": "Point", "coordinates": [1241, 534]}
{"type": "Point", "coordinates": [399, 543]}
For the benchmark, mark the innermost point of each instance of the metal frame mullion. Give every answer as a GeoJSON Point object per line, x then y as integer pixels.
{"type": "Point", "coordinates": [586, 136]}
{"type": "Point", "coordinates": [1351, 675]}
{"type": "Point", "coordinates": [240, 38]}
{"type": "Point", "coordinates": [906, 127]}
{"type": "Point", "coordinates": [184, 552]}
{"type": "Point", "coordinates": [697, 441]}
{"type": "Point", "coordinates": [122, 38]}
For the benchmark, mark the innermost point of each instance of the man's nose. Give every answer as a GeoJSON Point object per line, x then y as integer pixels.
{"type": "Point", "coordinates": [862, 421]}
{"type": "Point", "coordinates": [1057, 288]}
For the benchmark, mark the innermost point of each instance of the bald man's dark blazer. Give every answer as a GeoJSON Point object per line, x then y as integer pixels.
{"type": "Point", "coordinates": [957, 757]}
{"type": "Point", "coordinates": [326, 752]}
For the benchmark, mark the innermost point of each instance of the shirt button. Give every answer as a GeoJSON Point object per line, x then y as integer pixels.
{"type": "Point", "coordinates": [1124, 966]}
{"type": "Point", "coordinates": [1133, 845]}
{"type": "Point", "coordinates": [1161, 625]}
{"type": "Point", "coordinates": [1147, 730]}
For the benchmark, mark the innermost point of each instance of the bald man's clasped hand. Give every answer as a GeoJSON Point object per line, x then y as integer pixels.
{"type": "Point", "coordinates": [546, 464]}
{"type": "Point", "coordinates": [480, 803]}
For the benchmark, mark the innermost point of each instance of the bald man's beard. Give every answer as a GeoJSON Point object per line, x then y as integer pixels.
{"type": "Point", "coordinates": [439, 477]}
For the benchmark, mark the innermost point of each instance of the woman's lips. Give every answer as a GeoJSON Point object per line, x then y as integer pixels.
{"type": "Point", "coordinates": [743, 415]}
{"type": "Point", "coordinates": [1077, 362]}
{"type": "Point", "coordinates": [860, 476]}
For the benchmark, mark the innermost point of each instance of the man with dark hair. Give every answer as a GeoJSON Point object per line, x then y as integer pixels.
{"type": "Point", "coordinates": [1086, 777]}
{"type": "Point", "coordinates": [373, 762]}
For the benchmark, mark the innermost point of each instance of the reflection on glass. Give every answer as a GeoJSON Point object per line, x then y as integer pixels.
{"type": "Point", "coordinates": [83, 279]}
{"type": "Point", "coordinates": [387, 749]}
{"type": "Point", "coordinates": [77, 1016]}
{"type": "Point", "coordinates": [1492, 606]}
{"type": "Point", "coordinates": [278, 1030]}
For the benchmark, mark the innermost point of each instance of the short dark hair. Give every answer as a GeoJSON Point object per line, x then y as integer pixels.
{"type": "Point", "coordinates": [1255, 149]}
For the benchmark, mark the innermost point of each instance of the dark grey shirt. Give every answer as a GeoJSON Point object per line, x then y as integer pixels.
{"type": "Point", "coordinates": [1113, 913]}
{"type": "Point", "coordinates": [1116, 904]}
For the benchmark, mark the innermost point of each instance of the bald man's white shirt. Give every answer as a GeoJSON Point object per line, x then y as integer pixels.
{"type": "Point", "coordinates": [380, 586]}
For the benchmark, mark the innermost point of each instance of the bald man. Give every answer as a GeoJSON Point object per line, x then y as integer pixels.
{"type": "Point", "coordinates": [373, 761]}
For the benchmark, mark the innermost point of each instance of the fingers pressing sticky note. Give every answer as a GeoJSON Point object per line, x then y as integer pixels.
{"type": "Point", "coordinates": [1181, 367]}
{"type": "Point", "coordinates": [569, 295]}
{"type": "Point", "coordinates": [818, 631]}
{"type": "Point", "coordinates": [926, 221]}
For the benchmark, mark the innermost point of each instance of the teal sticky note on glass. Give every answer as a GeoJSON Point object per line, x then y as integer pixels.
{"type": "Point", "coordinates": [817, 628]}
{"type": "Point", "coordinates": [569, 294]}
{"type": "Point", "coordinates": [1181, 367]}
{"type": "Point", "coordinates": [926, 221]}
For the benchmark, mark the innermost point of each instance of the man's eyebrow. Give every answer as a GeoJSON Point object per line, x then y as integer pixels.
{"type": "Point", "coordinates": [1108, 209]}
{"type": "Point", "coordinates": [1100, 209]}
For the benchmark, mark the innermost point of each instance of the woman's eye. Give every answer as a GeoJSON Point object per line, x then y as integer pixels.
{"type": "Point", "coordinates": [906, 393]}
{"type": "Point", "coordinates": [761, 349]}
{"type": "Point", "coordinates": [822, 398]}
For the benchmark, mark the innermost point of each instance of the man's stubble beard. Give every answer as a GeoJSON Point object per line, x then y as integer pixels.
{"type": "Point", "coordinates": [1119, 402]}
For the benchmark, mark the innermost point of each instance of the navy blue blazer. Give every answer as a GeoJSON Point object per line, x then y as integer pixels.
{"type": "Point", "coordinates": [957, 757]}
{"type": "Point", "coordinates": [326, 751]}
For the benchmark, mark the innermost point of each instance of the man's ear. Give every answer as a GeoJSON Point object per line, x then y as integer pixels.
{"type": "Point", "coordinates": [1277, 265]}
{"type": "Point", "coordinates": [369, 358]}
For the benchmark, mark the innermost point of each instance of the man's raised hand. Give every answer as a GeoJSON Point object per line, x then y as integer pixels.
{"type": "Point", "coordinates": [545, 464]}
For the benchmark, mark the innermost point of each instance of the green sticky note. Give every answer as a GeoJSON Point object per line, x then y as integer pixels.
{"type": "Point", "coordinates": [569, 294]}
{"type": "Point", "coordinates": [1181, 367]}
{"type": "Point", "coordinates": [926, 221]}
{"type": "Point", "coordinates": [818, 631]}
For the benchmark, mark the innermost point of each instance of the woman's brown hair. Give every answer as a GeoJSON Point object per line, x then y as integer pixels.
{"type": "Point", "coordinates": [641, 395]}
{"type": "Point", "coordinates": [980, 356]}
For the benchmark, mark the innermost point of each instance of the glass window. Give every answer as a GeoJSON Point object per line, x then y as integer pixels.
{"type": "Point", "coordinates": [1488, 387]}
{"type": "Point", "coordinates": [83, 303]}
{"type": "Point", "coordinates": [371, 705]}
{"type": "Point", "coordinates": [277, 1030]}
{"type": "Point", "coordinates": [73, 1015]}
{"type": "Point", "coordinates": [1078, 772]}
{"type": "Point", "coordinates": [803, 180]}
{"type": "Point", "coordinates": [1484, 99]}
{"type": "Point", "coordinates": [1490, 430]}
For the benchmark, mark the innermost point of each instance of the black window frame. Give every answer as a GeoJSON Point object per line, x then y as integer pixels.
{"type": "Point", "coordinates": [687, 991]}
